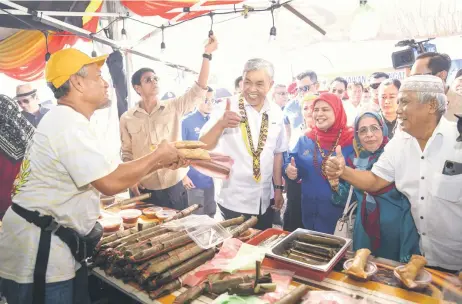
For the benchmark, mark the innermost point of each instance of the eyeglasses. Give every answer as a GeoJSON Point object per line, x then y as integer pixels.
{"type": "Point", "coordinates": [334, 90]}
{"type": "Point", "coordinates": [375, 129]}
{"type": "Point", "coordinates": [305, 88]}
{"type": "Point", "coordinates": [375, 86]}
{"type": "Point", "coordinates": [212, 100]}
{"type": "Point", "coordinates": [282, 93]}
{"type": "Point", "coordinates": [151, 79]}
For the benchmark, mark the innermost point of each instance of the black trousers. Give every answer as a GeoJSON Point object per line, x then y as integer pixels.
{"type": "Point", "coordinates": [293, 213]}
{"type": "Point", "coordinates": [174, 197]}
{"type": "Point", "coordinates": [265, 220]}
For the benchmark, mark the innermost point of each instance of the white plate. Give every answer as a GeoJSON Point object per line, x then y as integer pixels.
{"type": "Point", "coordinates": [370, 269]}
{"type": "Point", "coordinates": [423, 278]}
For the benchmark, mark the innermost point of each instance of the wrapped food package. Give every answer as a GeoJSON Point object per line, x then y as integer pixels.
{"type": "Point", "coordinates": [408, 273]}
{"type": "Point", "coordinates": [358, 266]}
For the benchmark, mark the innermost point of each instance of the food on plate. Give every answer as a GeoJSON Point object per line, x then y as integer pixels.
{"type": "Point", "coordinates": [408, 273]}
{"type": "Point", "coordinates": [130, 216]}
{"type": "Point", "coordinates": [358, 266]}
{"type": "Point", "coordinates": [165, 214]}
{"type": "Point", "coordinates": [151, 212]}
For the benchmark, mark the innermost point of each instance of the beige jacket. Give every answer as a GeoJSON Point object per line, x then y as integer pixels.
{"type": "Point", "coordinates": [140, 130]}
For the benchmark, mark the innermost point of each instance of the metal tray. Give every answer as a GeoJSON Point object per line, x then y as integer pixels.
{"type": "Point", "coordinates": [278, 249]}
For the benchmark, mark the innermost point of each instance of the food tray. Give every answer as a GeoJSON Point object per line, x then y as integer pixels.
{"type": "Point", "coordinates": [278, 249]}
{"type": "Point", "coordinates": [264, 235]}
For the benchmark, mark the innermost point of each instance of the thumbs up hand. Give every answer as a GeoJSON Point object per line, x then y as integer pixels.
{"type": "Point", "coordinates": [291, 170]}
{"type": "Point", "coordinates": [230, 119]}
{"type": "Point", "coordinates": [335, 165]}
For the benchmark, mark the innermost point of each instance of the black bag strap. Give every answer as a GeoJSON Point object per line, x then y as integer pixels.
{"type": "Point", "coordinates": [47, 226]}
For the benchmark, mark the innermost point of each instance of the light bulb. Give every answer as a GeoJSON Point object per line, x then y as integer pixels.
{"type": "Point", "coordinates": [124, 34]}
{"type": "Point", "coordinates": [93, 54]}
{"type": "Point", "coordinates": [272, 34]}
{"type": "Point", "coordinates": [162, 47]}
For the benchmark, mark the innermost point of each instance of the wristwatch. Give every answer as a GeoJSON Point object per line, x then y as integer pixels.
{"type": "Point", "coordinates": [208, 56]}
{"type": "Point", "coordinates": [278, 187]}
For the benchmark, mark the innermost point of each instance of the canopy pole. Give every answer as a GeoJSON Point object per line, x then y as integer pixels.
{"type": "Point", "coordinates": [58, 24]}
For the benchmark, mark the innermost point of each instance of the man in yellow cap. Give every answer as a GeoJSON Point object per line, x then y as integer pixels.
{"type": "Point", "coordinates": [56, 195]}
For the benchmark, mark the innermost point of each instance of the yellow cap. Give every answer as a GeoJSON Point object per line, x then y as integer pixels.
{"type": "Point", "coordinates": [67, 62]}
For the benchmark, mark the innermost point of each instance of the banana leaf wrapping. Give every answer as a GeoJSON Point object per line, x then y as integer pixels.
{"type": "Point", "coordinates": [295, 295]}
{"type": "Point", "coordinates": [183, 268]}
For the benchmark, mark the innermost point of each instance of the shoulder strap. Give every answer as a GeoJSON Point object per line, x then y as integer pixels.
{"type": "Point", "coordinates": [347, 205]}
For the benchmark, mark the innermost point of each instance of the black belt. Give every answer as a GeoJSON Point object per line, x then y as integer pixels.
{"type": "Point", "coordinates": [47, 226]}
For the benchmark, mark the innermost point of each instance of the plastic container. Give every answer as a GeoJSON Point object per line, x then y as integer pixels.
{"type": "Point", "coordinates": [111, 223]}
{"type": "Point", "coordinates": [151, 212]}
{"type": "Point", "coordinates": [130, 216]}
{"type": "Point", "coordinates": [207, 236]}
{"type": "Point", "coordinates": [423, 278]}
{"type": "Point", "coordinates": [165, 214]}
{"type": "Point", "coordinates": [370, 270]}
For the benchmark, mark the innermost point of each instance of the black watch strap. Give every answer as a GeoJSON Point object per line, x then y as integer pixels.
{"type": "Point", "coordinates": [208, 56]}
{"type": "Point", "coordinates": [278, 187]}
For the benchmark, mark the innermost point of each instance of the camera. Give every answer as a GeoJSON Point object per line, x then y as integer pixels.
{"type": "Point", "coordinates": [406, 58]}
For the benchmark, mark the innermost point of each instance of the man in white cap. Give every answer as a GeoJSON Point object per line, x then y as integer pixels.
{"type": "Point", "coordinates": [52, 226]}
{"type": "Point", "coordinates": [425, 163]}
{"type": "Point", "coordinates": [28, 101]}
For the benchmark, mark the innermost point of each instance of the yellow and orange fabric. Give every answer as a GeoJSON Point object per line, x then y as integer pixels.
{"type": "Point", "coordinates": [22, 55]}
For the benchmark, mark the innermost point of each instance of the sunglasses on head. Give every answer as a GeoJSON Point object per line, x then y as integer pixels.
{"type": "Point", "coordinates": [151, 79]}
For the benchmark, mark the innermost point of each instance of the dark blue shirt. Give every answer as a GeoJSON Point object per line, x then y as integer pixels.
{"type": "Point", "coordinates": [190, 128]}
{"type": "Point", "coordinates": [35, 119]}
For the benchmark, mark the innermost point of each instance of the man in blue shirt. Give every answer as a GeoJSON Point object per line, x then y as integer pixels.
{"type": "Point", "coordinates": [28, 101]}
{"type": "Point", "coordinates": [199, 186]}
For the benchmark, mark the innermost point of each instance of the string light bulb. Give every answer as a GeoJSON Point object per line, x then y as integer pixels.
{"type": "Point", "coordinates": [93, 53]}
{"type": "Point", "coordinates": [162, 44]}
{"type": "Point", "coordinates": [273, 28]}
{"type": "Point", "coordinates": [211, 25]}
{"type": "Point", "coordinates": [124, 32]}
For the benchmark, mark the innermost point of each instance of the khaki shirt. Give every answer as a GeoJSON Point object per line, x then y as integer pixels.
{"type": "Point", "coordinates": [139, 130]}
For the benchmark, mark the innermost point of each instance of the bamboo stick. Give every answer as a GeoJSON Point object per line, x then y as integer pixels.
{"type": "Point", "coordinates": [222, 286]}
{"type": "Point", "coordinates": [131, 237]}
{"type": "Point", "coordinates": [148, 244]}
{"type": "Point", "coordinates": [295, 295]}
{"type": "Point", "coordinates": [316, 239]}
{"type": "Point", "coordinates": [191, 294]}
{"type": "Point", "coordinates": [118, 235]}
{"type": "Point", "coordinates": [178, 215]}
{"type": "Point", "coordinates": [244, 226]}
{"type": "Point", "coordinates": [313, 249]}
{"type": "Point", "coordinates": [181, 255]}
{"type": "Point", "coordinates": [183, 268]}
{"type": "Point", "coordinates": [165, 290]}
{"type": "Point", "coordinates": [181, 239]}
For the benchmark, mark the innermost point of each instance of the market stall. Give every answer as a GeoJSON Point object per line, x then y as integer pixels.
{"type": "Point", "coordinates": [163, 261]}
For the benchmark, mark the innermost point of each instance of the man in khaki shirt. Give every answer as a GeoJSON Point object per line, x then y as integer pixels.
{"type": "Point", "coordinates": [152, 121]}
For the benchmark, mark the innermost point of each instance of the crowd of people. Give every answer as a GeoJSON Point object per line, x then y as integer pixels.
{"type": "Point", "coordinates": [386, 145]}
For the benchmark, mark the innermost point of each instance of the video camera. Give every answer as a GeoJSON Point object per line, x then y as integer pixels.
{"type": "Point", "coordinates": [406, 58]}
